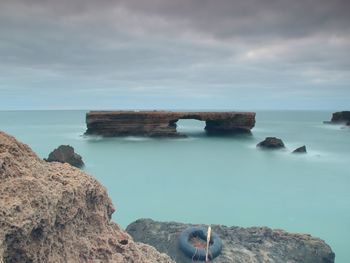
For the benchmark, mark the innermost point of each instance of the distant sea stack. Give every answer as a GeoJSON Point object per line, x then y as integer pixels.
{"type": "Point", "coordinates": [340, 117]}
{"type": "Point", "coordinates": [163, 123]}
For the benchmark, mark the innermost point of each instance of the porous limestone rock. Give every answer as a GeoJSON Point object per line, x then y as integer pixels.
{"type": "Point", "coordinates": [239, 245]}
{"type": "Point", "coordinates": [53, 213]}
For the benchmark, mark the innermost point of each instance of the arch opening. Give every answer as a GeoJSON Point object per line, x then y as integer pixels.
{"type": "Point", "coordinates": [190, 127]}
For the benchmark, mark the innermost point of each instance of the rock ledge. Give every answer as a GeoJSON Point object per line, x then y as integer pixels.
{"type": "Point", "coordinates": [240, 245]}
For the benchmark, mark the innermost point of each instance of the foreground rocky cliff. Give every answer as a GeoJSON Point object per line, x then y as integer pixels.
{"type": "Point", "coordinates": [239, 245]}
{"type": "Point", "coordinates": [163, 123]}
{"type": "Point", "coordinates": [53, 212]}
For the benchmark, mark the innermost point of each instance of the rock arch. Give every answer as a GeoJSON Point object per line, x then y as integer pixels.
{"type": "Point", "coordinates": [163, 123]}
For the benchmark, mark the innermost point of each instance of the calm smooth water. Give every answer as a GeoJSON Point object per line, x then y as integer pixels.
{"type": "Point", "coordinates": [214, 180]}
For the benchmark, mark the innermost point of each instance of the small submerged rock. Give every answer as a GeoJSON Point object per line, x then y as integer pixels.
{"type": "Point", "coordinates": [271, 143]}
{"type": "Point", "coordinates": [301, 149]}
{"type": "Point", "coordinates": [65, 154]}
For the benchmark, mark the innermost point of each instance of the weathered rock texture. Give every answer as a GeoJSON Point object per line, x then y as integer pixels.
{"type": "Point", "coordinates": [341, 117]}
{"type": "Point", "coordinates": [240, 245]}
{"type": "Point", "coordinates": [301, 149]}
{"type": "Point", "coordinates": [53, 212]}
{"type": "Point", "coordinates": [163, 123]}
{"type": "Point", "coordinates": [271, 143]}
{"type": "Point", "coordinates": [65, 154]}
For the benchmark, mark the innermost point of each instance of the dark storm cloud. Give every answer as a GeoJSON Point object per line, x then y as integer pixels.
{"type": "Point", "coordinates": [222, 18]}
{"type": "Point", "coordinates": [183, 47]}
{"type": "Point", "coordinates": [266, 18]}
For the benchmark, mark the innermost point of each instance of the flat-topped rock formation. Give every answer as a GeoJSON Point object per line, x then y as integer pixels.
{"type": "Point", "coordinates": [239, 245]}
{"type": "Point", "coordinates": [340, 117]}
{"type": "Point", "coordinates": [163, 123]}
{"type": "Point", "coordinates": [54, 212]}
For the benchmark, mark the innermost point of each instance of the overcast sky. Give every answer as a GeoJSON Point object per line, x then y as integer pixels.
{"type": "Point", "coordinates": [175, 54]}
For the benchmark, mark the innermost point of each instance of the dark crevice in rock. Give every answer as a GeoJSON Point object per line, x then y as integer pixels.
{"type": "Point", "coordinates": [13, 248]}
{"type": "Point", "coordinates": [37, 233]}
{"type": "Point", "coordinates": [124, 242]}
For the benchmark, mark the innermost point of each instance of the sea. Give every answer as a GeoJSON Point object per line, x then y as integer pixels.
{"type": "Point", "coordinates": [214, 180]}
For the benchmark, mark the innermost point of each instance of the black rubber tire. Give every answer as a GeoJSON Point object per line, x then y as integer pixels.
{"type": "Point", "coordinates": [194, 253]}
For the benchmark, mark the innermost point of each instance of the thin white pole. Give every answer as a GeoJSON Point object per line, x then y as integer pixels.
{"type": "Point", "coordinates": [208, 241]}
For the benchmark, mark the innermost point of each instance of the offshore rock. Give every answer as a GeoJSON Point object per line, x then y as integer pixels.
{"type": "Point", "coordinates": [163, 123]}
{"type": "Point", "coordinates": [65, 154]}
{"type": "Point", "coordinates": [301, 149]}
{"type": "Point", "coordinates": [271, 143]}
{"type": "Point", "coordinates": [341, 117]}
{"type": "Point", "coordinates": [240, 245]}
{"type": "Point", "coordinates": [53, 212]}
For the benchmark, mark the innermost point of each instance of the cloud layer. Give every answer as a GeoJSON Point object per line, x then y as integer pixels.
{"type": "Point", "coordinates": [175, 54]}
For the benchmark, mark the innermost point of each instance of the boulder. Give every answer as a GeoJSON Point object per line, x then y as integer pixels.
{"type": "Point", "coordinates": [301, 149]}
{"type": "Point", "coordinates": [65, 154]}
{"type": "Point", "coordinates": [239, 245]}
{"type": "Point", "coordinates": [271, 143]}
{"type": "Point", "coordinates": [54, 212]}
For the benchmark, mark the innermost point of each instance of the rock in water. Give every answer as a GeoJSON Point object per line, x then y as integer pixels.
{"type": "Point", "coordinates": [341, 117]}
{"type": "Point", "coordinates": [271, 143]}
{"type": "Point", "coordinates": [301, 149]}
{"type": "Point", "coordinates": [163, 123]}
{"type": "Point", "coordinates": [65, 154]}
{"type": "Point", "coordinates": [53, 212]}
{"type": "Point", "coordinates": [240, 245]}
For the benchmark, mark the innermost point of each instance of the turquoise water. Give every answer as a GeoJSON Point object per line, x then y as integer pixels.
{"type": "Point", "coordinates": [214, 180]}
